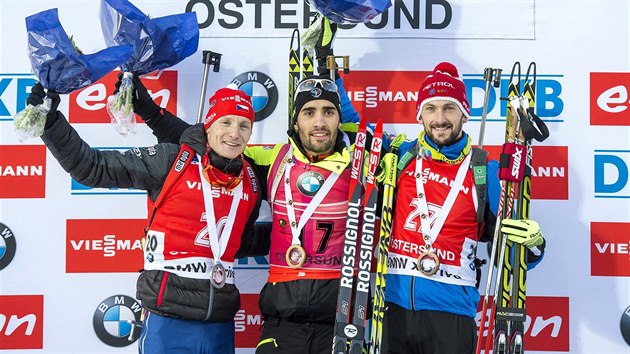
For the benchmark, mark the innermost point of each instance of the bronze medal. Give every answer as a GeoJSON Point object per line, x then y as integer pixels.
{"type": "Point", "coordinates": [217, 276]}
{"type": "Point", "coordinates": [295, 256]}
{"type": "Point", "coordinates": [428, 263]}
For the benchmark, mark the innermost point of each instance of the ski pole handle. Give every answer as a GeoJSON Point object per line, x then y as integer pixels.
{"type": "Point", "coordinates": [493, 76]}
{"type": "Point", "coordinates": [331, 64]}
{"type": "Point", "coordinates": [209, 59]}
{"type": "Point", "coordinates": [212, 59]}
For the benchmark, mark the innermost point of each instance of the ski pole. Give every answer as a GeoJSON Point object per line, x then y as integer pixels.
{"type": "Point", "coordinates": [532, 127]}
{"type": "Point", "coordinates": [209, 59]}
{"type": "Point", "coordinates": [494, 76]}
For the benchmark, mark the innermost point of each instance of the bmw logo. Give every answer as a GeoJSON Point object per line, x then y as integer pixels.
{"type": "Point", "coordinates": [116, 320]}
{"type": "Point", "coordinates": [7, 246]}
{"type": "Point", "coordinates": [309, 183]}
{"type": "Point", "coordinates": [261, 89]}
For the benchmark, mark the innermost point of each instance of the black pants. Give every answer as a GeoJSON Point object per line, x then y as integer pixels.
{"type": "Point", "coordinates": [426, 332]}
{"type": "Point", "coordinates": [284, 337]}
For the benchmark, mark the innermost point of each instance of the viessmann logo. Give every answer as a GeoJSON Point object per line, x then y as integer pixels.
{"type": "Point", "coordinates": [247, 321]}
{"type": "Point", "coordinates": [393, 95]}
{"type": "Point", "coordinates": [610, 249]}
{"type": "Point", "coordinates": [609, 99]}
{"type": "Point", "coordinates": [22, 171]}
{"type": "Point", "coordinates": [550, 168]}
{"type": "Point", "coordinates": [22, 325]}
{"type": "Point", "coordinates": [104, 245]}
{"type": "Point", "coordinates": [88, 105]}
{"type": "Point", "coordinates": [546, 326]}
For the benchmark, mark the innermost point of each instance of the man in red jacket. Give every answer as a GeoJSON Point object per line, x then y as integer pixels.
{"type": "Point", "coordinates": [204, 198]}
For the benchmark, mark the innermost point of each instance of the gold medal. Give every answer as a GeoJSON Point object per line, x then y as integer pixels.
{"type": "Point", "coordinates": [428, 263]}
{"type": "Point", "coordinates": [295, 256]}
{"type": "Point", "coordinates": [217, 276]}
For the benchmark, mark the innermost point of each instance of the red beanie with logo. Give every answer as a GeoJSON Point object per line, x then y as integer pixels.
{"type": "Point", "coordinates": [443, 84]}
{"type": "Point", "coordinates": [227, 101]}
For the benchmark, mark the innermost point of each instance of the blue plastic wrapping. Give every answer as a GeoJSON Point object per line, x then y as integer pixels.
{"type": "Point", "coordinates": [57, 64]}
{"type": "Point", "coordinates": [350, 11]}
{"type": "Point", "coordinates": [157, 43]}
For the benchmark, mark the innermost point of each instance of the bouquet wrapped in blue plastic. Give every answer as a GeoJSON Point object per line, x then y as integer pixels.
{"type": "Point", "coordinates": [59, 66]}
{"type": "Point", "coordinates": [157, 44]}
{"type": "Point", "coordinates": [350, 11]}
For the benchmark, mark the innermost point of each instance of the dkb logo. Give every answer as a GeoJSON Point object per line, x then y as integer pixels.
{"type": "Point", "coordinates": [611, 173]}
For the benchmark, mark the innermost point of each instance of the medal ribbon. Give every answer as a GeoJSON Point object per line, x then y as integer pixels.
{"type": "Point", "coordinates": [218, 244]}
{"type": "Point", "coordinates": [296, 228]}
{"type": "Point", "coordinates": [427, 230]}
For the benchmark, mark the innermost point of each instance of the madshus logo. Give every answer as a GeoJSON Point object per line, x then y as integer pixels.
{"type": "Point", "coordinates": [263, 91]}
{"type": "Point", "coordinates": [7, 246]}
{"type": "Point", "coordinates": [625, 325]}
{"type": "Point", "coordinates": [116, 320]}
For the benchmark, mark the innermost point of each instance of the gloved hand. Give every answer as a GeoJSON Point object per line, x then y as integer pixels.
{"type": "Point", "coordinates": [36, 97]}
{"type": "Point", "coordinates": [525, 232]}
{"type": "Point", "coordinates": [324, 45]}
{"type": "Point", "coordinates": [143, 104]}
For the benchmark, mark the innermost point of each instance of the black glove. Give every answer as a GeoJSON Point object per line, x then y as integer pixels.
{"type": "Point", "coordinates": [143, 104]}
{"type": "Point", "coordinates": [36, 97]}
{"type": "Point", "coordinates": [323, 48]}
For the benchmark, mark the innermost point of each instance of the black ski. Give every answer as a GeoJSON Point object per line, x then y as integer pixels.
{"type": "Point", "coordinates": [368, 233]}
{"type": "Point", "coordinates": [390, 160]}
{"type": "Point", "coordinates": [294, 71]}
{"type": "Point", "coordinates": [344, 298]}
{"type": "Point", "coordinates": [361, 211]}
{"type": "Point", "coordinates": [532, 127]}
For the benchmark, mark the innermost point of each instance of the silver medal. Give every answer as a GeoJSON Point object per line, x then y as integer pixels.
{"type": "Point", "coordinates": [428, 263]}
{"type": "Point", "coordinates": [217, 276]}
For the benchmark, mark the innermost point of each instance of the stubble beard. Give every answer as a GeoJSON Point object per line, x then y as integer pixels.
{"type": "Point", "coordinates": [456, 131]}
{"type": "Point", "coordinates": [317, 148]}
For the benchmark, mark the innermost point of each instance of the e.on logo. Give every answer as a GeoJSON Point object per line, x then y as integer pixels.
{"type": "Point", "coordinates": [22, 171]}
{"type": "Point", "coordinates": [104, 245]}
{"type": "Point", "coordinates": [247, 322]}
{"type": "Point", "coordinates": [550, 168]}
{"type": "Point", "coordinates": [21, 321]}
{"type": "Point", "coordinates": [546, 325]}
{"type": "Point", "coordinates": [609, 99]}
{"type": "Point", "coordinates": [610, 249]}
{"type": "Point", "coordinates": [88, 105]}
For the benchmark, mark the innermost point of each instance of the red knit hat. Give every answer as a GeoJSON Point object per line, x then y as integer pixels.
{"type": "Point", "coordinates": [226, 101]}
{"type": "Point", "coordinates": [443, 84]}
